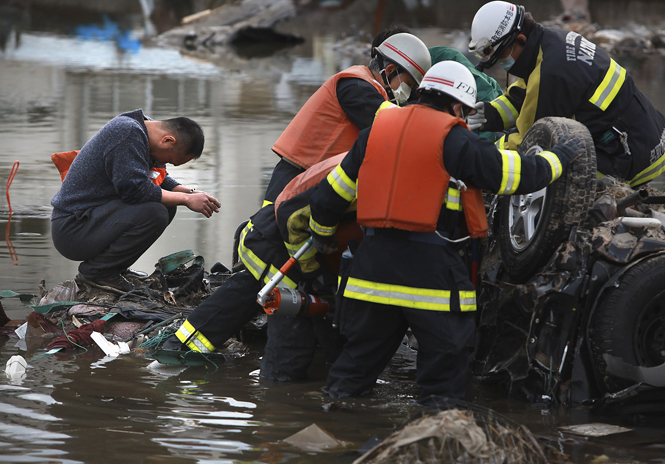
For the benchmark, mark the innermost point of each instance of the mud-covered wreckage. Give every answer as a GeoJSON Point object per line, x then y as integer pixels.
{"type": "Point", "coordinates": [588, 327]}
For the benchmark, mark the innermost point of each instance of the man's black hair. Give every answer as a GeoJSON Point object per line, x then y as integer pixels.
{"type": "Point", "coordinates": [188, 133]}
{"type": "Point", "coordinates": [438, 100]}
{"type": "Point", "coordinates": [383, 35]}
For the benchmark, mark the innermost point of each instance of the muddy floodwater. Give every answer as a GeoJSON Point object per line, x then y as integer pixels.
{"type": "Point", "coordinates": [66, 72]}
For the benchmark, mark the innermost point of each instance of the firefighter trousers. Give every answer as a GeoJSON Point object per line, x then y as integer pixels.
{"type": "Point", "coordinates": [374, 332]}
{"type": "Point", "coordinates": [291, 346]}
{"type": "Point", "coordinates": [224, 313]}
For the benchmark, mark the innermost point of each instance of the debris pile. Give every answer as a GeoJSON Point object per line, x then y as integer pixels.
{"type": "Point", "coordinates": [241, 25]}
{"type": "Point", "coordinates": [468, 434]}
{"type": "Point", "coordinates": [74, 315]}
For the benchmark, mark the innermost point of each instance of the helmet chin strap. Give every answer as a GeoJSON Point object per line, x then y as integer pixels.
{"type": "Point", "coordinates": [386, 80]}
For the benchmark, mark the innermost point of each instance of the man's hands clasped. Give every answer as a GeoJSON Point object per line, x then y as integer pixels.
{"type": "Point", "coordinates": [202, 203]}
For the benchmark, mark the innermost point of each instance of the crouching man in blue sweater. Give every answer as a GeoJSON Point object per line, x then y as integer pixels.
{"type": "Point", "coordinates": [117, 198]}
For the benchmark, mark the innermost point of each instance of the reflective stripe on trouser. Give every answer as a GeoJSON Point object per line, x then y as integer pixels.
{"type": "Point", "coordinates": [609, 87]}
{"type": "Point", "coordinates": [194, 339]}
{"type": "Point", "coordinates": [555, 164]}
{"type": "Point", "coordinates": [255, 265]}
{"type": "Point", "coordinates": [650, 173]}
{"type": "Point", "coordinates": [453, 199]}
{"type": "Point", "coordinates": [406, 297]}
{"type": "Point", "coordinates": [506, 110]}
{"type": "Point", "coordinates": [511, 168]}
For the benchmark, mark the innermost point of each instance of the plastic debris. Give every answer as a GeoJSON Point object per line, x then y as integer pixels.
{"type": "Point", "coordinates": [23, 328]}
{"type": "Point", "coordinates": [64, 291]}
{"type": "Point", "coordinates": [109, 349]}
{"type": "Point", "coordinates": [314, 438]}
{"type": "Point", "coordinates": [595, 429]}
{"type": "Point", "coordinates": [166, 369]}
{"type": "Point", "coordinates": [16, 367]}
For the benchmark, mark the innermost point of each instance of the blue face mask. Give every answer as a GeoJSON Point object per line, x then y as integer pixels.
{"type": "Point", "coordinates": [507, 62]}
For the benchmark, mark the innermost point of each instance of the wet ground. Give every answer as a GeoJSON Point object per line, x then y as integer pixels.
{"type": "Point", "coordinates": [63, 74]}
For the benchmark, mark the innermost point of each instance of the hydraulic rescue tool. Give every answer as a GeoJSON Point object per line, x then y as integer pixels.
{"type": "Point", "coordinates": [288, 302]}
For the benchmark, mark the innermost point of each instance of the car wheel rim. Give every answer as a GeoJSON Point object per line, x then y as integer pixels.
{"type": "Point", "coordinates": [650, 336]}
{"type": "Point", "coordinates": [525, 213]}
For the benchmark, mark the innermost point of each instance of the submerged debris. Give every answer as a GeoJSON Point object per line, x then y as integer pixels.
{"type": "Point", "coordinates": [314, 438]}
{"type": "Point", "coordinates": [461, 435]}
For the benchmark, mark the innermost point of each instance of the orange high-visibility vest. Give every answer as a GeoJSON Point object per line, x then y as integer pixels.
{"type": "Point", "coordinates": [308, 179]}
{"type": "Point", "coordinates": [64, 160]}
{"type": "Point", "coordinates": [402, 182]}
{"type": "Point", "coordinates": [321, 129]}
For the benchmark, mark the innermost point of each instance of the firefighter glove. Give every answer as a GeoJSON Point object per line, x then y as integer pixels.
{"type": "Point", "coordinates": [570, 147]}
{"type": "Point", "coordinates": [477, 119]}
{"type": "Point", "coordinates": [324, 245]}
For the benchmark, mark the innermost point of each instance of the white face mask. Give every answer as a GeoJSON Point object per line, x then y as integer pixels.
{"type": "Point", "coordinates": [402, 92]}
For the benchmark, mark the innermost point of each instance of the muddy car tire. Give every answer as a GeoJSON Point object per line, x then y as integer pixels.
{"type": "Point", "coordinates": [533, 226]}
{"type": "Point", "coordinates": [629, 321]}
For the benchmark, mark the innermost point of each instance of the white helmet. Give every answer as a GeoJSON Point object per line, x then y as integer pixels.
{"type": "Point", "coordinates": [407, 51]}
{"type": "Point", "coordinates": [453, 79]}
{"type": "Point", "coordinates": [494, 28]}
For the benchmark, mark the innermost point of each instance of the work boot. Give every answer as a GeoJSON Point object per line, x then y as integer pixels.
{"type": "Point", "coordinates": [115, 284]}
{"type": "Point", "coordinates": [134, 274]}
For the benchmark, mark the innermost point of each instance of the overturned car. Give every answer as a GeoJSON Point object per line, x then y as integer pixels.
{"type": "Point", "coordinates": [572, 289]}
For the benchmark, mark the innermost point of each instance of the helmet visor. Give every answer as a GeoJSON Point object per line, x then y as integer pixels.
{"type": "Point", "coordinates": [482, 48]}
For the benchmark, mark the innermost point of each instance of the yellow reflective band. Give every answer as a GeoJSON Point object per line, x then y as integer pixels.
{"type": "Point", "coordinates": [253, 264]}
{"type": "Point", "coordinates": [194, 339]}
{"type": "Point", "coordinates": [555, 164]}
{"type": "Point", "coordinates": [467, 300]}
{"type": "Point", "coordinates": [501, 143]}
{"type": "Point", "coordinates": [511, 172]}
{"type": "Point", "coordinates": [650, 173]}
{"type": "Point", "coordinates": [320, 229]}
{"type": "Point", "coordinates": [342, 184]}
{"type": "Point", "coordinates": [383, 106]}
{"type": "Point", "coordinates": [453, 199]}
{"type": "Point", "coordinates": [285, 280]}
{"type": "Point", "coordinates": [609, 88]}
{"type": "Point", "coordinates": [293, 249]}
{"type": "Point", "coordinates": [398, 295]}
{"type": "Point", "coordinates": [266, 203]}
{"type": "Point", "coordinates": [506, 110]}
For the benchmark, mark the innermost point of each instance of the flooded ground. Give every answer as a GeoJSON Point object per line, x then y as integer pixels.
{"type": "Point", "coordinates": [63, 74]}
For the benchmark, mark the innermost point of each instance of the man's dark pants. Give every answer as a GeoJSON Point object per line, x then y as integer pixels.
{"type": "Point", "coordinates": [374, 332]}
{"type": "Point", "coordinates": [110, 238]}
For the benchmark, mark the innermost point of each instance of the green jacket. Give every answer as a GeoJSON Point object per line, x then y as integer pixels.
{"type": "Point", "coordinates": [487, 87]}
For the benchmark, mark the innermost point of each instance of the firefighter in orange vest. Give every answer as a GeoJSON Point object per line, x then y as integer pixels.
{"type": "Point", "coordinates": [417, 172]}
{"type": "Point", "coordinates": [273, 234]}
{"type": "Point", "coordinates": [329, 122]}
